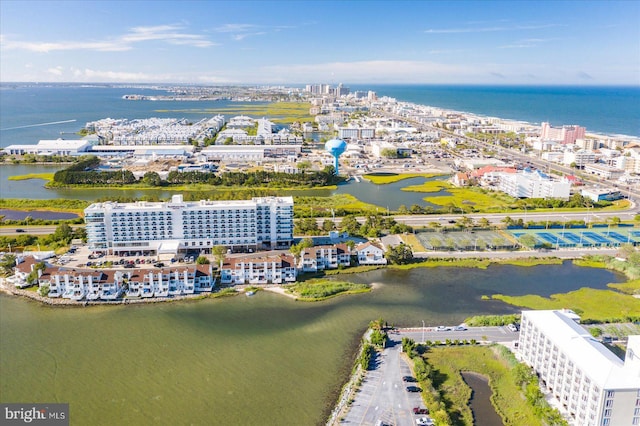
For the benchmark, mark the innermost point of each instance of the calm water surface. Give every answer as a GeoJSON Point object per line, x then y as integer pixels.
{"type": "Point", "coordinates": [483, 412]}
{"type": "Point", "coordinates": [384, 196]}
{"type": "Point", "coordinates": [236, 361]}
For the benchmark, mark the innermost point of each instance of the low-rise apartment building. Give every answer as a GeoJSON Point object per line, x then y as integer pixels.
{"type": "Point", "coordinates": [323, 257]}
{"type": "Point", "coordinates": [370, 254]}
{"type": "Point", "coordinates": [259, 269]}
{"type": "Point", "coordinates": [110, 284]}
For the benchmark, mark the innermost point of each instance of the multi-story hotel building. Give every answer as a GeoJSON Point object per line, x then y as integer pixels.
{"type": "Point", "coordinates": [564, 134]}
{"type": "Point", "coordinates": [591, 384]}
{"type": "Point", "coordinates": [177, 226]}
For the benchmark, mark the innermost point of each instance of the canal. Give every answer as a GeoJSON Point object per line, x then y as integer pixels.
{"type": "Point", "coordinates": [483, 412]}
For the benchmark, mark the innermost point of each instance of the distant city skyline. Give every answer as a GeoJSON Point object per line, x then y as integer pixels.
{"type": "Point", "coordinates": [354, 42]}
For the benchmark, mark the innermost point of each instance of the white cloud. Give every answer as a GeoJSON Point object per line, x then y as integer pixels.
{"type": "Point", "coordinates": [239, 32]}
{"type": "Point", "coordinates": [527, 43]}
{"type": "Point", "coordinates": [488, 29]}
{"type": "Point", "coordinates": [235, 28]}
{"type": "Point", "coordinates": [364, 71]}
{"type": "Point", "coordinates": [55, 71]}
{"type": "Point", "coordinates": [110, 76]}
{"type": "Point", "coordinates": [171, 34]}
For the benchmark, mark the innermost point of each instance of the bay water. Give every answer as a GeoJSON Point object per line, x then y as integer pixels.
{"type": "Point", "coordinates": [264, 359]}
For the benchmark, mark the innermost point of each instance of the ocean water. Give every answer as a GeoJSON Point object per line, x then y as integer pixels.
{"type": "Point", "coordinates": [27, 113]}
{"type": "Point", "coordinates": [607, 110]}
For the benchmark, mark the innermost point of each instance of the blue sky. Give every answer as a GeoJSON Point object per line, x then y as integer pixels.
{"type": "Point", "coordinates": [293, 42]}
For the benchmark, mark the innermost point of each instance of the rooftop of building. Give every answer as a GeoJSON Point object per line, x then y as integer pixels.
{"type": "Point", "coordinates": [589, 355]}
{"type": "Point", "coordinates": [178, 201]}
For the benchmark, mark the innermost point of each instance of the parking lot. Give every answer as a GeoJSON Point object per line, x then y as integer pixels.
{"type": "Point", "coordinates": [81, 257]}
{"type": "Point", "coordinates": [383, 397]}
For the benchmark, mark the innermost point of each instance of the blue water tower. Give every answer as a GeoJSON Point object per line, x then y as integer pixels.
{"type": "Point", "coordinates": [335, 147]}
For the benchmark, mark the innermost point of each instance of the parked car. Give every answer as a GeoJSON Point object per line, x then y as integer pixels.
{"type": "Point", "coordinates": [413, 389]}
{"type": "Point", "coordinates": [410, 379]}
{"type": "Point", "coordinates": [418, 410]}
{"type": "Point", "coordinates": [512, 327]}
{"type": "Point", "coordinates": [425, 421]}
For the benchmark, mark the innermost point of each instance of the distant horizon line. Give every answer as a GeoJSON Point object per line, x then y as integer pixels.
{"type": "Point", "coordinates": [631, 85]}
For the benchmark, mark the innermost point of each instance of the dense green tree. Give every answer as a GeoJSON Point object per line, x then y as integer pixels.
{"type": "Point", "coordinates": [219, 253]}
{"type": "Point", "coordinates": [152, 179]}
{"type": "Point", "coordinates": [328, 225]}
{"type": "Point", "coordinates": [350, 225]}
{"type": "Point", "coordinates": [400, 254]}
{"type": "Point", "coordinates": [7, 263]}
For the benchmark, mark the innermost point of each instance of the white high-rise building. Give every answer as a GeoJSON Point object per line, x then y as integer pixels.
{"type": "Point", "coordinates": [179, 226]}
{"type": "Point", "coordinates": [591, 384]}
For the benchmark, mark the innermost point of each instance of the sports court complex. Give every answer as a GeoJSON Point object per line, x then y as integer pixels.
{"type": "Point", "coordinates": [555, 236]}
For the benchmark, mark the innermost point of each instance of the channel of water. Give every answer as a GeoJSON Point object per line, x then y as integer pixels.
{"type": "Point", "coordinates": [385, 196]}
{"type": "Point", "coordinates": [483, 412]}
{"type": "Point", "coordinates": [264, 360]}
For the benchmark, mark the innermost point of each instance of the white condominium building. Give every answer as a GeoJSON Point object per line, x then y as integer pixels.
{"type": "Point", "coordinates": [179, 226]}
{"type": "Point", "coordinates": [533, 184]}
{"type": "Point", "coordinates": [591, 384]}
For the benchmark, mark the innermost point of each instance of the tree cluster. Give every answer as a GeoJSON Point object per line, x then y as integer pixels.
{"type": "Point", "coordinates": [400, 254]}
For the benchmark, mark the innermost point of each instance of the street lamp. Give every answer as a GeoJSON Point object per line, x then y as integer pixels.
{"type": "Point", "coordinates": [422, 331]}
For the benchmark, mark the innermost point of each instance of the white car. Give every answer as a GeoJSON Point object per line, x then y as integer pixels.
{"type": "Point", "coordinates": [425, 421]}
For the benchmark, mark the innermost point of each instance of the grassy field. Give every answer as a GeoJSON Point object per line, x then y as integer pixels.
{"type": "Point", "coordinates": [510, 404]}
{"type": "Point", "coordinates": [450, 262]}
{"type": "Point", "coordinates": [531, 261]}
{"type": "Point", "coordinates": [278, 112]}
{"type": "Point", "coordinates": [345, 202]}
{"type": "Point", "coordinates": [384, 178]}
{"type": "Point", "coordinates": [57, 205]}
{"type": "Point", "coordinates": [319, 289]}
{"type": "Point", "coordinates": [477, 262]}
{"type": "Point", "coordinates": [590, 304]}
{"type": "Point", "coordinates": [45, 176]}
{"type": "Point", "coordinates": [630, 287]}
{"type": "Point", "coordinates": [464, 198]}
{"type": "Point", "coordinates": [412, 241]}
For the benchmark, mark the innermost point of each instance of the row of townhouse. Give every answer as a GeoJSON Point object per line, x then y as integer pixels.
{"type": "Point", "coordinates": [259, 269]}
{"type": "Point", "coordinates": [323, 257]}
{"type": "Point", "coordinates": [110, 284]}
{"type": "Point", "coordinates": [283, 268]}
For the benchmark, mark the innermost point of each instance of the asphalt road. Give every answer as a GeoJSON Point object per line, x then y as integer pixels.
{"type": "Point", "coordinates": [493, 334]}
{"type": "Point", "coordinates": [33, 230]}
